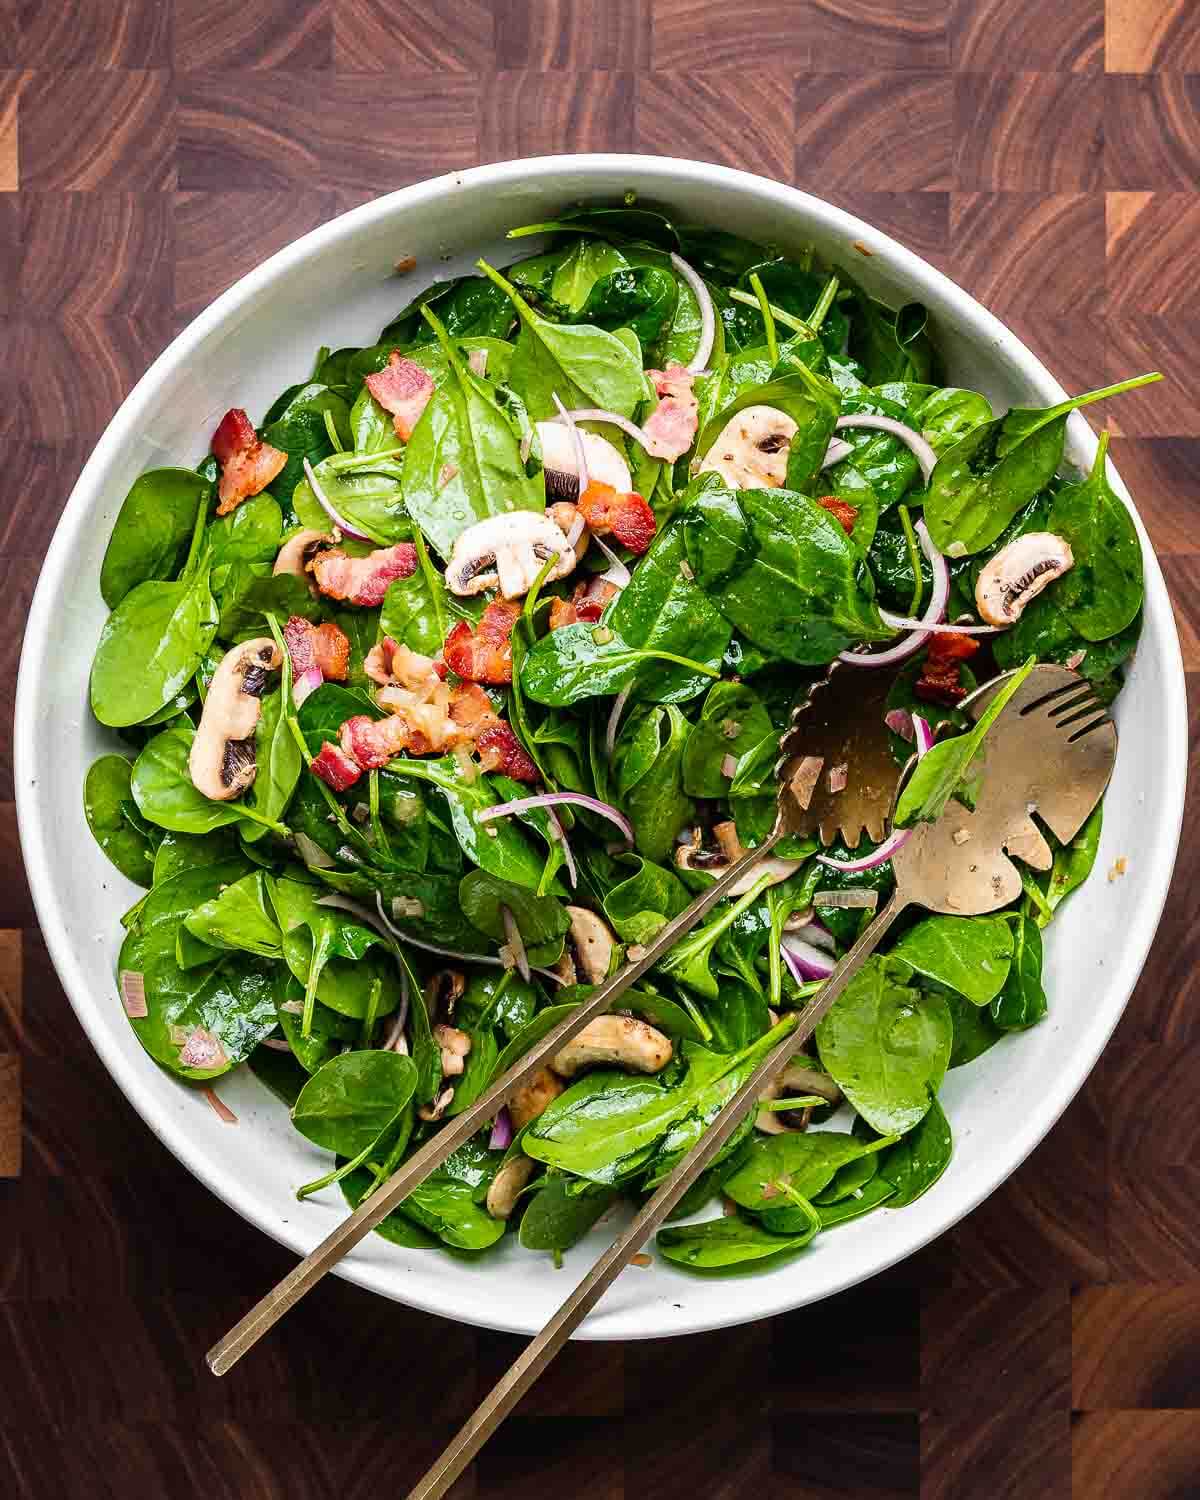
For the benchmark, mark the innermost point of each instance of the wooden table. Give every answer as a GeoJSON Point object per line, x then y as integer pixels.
{"type": "Point", "coordinates": [1047, 155]}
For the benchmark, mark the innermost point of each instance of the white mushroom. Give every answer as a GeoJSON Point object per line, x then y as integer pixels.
{"type": "Point", "coordinates": [221, 761]}
{"type": "Point", "coordinates": [507, 551]}
{"type": "Point", "coordinates": [529, 1101]}
{"type": "Point", "coordinates": [295, 553]}
{"type": "Point", "coordinates": [709, 861]}
{"type": "Point", "coordinates": [796, 1082]}
{"type": "Point", "coordinates": [507, 1186]}
{"type": "Point", "coordinates": [1019, 573]}
{"type": "Point", "coordinates": [454, 1045]}
{"type": "Point", "coordinates": [618, 1041]}
{"type": "Point", "coordinates": [604, 462]}
{"type": "Point", "coordinates": [587, 953]}
{"type": "Point", "coordinates": [751, 450]}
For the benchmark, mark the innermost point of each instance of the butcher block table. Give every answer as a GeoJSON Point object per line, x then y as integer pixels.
{"type": "Point", "coordinates": [1046, 154]}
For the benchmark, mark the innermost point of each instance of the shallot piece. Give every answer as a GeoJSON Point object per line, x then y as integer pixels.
{"type": "Point", "coordinates": [220, 1108]}
{"type": "Point", "coordinates": [502, 1131]}
{"type": "Point", "coordinates": [708, 316]}
{"type": "Point", "coordinates": [133, 994]}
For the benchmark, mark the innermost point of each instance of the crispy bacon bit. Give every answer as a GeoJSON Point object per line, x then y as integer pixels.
{"type": "Point", "coordinates": [471, 708]}
{"type": "Point", "coordinates": [939, 679]}
{"type": "Point", "coordinates": [373, 742]}
{"type": "Point", "coordinates": [248, 464]}
{"type": "Point", "coordinates": [485, 653]}
{"type": "Point", "coordinates": [671, 426]}
{"type": "Point", "coordinates": [362, 580]}
{"type": "Point", "coordinates": [805, 777]}
{"type": "Point", "coordinates": [202, 1050]}
{"type": "Point", "coordinates": [627, 517]}
{"type": "Point", "coordinates": [403, 388]}
{"type": "Point", "coordinates": [587, 603]}
{"type": "Point", "coordinates": [389, 663]}
{"type": "Point", "coordinates": [838, 776]}
{"type": "Point", "coordinates": [841, 511]}
{"type": "Point", "coordinates": [336, 768]}
{"type": "Point", "coordinates": [324, 647]}
{"type": "Point", "coordinates": [501, 750]}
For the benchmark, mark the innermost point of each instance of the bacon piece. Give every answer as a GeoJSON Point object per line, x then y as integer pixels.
{"type": "Point", "coordinates": [362, 580]}
{"type": "Point", "coordinates": [627, 516]}
{"type": "Point", "coordinates": [841, 511]}
{"type": "Point", "coordinates": [322, 646]}
{"type": "Point", "coordinates": [335, 767]}
{"type": "Point", "coordinates": [390, 663]}
{"type": "Point", "coordinates": [501, 750]}
{"type": "Point", "coordinates": [471, 709]}
{"type": "Point", "coordinates": [939, 679]}
{"type": "Point", "coordinates": [248, 465]}
{"type": "Point", "coordinates": [671, 426]}
{"type": "Point", "coordinates": [485, 653]}
{"type": "Point", "coordinates": [587, 603]}
{"type": "Point", "coordinates": [403, 388]}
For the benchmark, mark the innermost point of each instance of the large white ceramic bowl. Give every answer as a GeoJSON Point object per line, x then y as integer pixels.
{"type": "Point", "coordinates": [336, 286]}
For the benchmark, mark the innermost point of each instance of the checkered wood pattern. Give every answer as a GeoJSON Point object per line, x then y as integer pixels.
{"type": "Point", "coordinates": [1046, 153]}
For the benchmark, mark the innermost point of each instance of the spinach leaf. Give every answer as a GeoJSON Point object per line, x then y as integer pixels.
{"type": "Point", "coordinates": [368, 489]}
{"type": "Point", "coordinates": [296, 426]}
{"type": "Point", "coordinates": [177, 852]}
{"type": "Point", "coordinates": [163, 790]}
{"type": "Point", "coordinates": [941, 771]}
{"type": "Point", "coordinates": [812, 403]}
{"type": "Point", "coordinates": [105, 789]}
{"type": "Point", "coordinates": [559, 1216]}
{"type": "Point", "coordinates": [733, 1241]}
{"type": "Point", "coordinates": [878, 1190]}
{"type": "Point", "coordinates": [1045, 632]}
{"type": "Point", "coordinates": [644, 901]}
{"type": "Point", "coordinates": [541, 919]}
{"type": "Point", "coordinates": [217, 1014]}
{"type": "Point", "coordinates": [782, 572]}
{"type": "Point", "coordinates": [641, 298]}
{"type": "Point", "coordinates": [328, 1034]}
{"type": "Point", "coordinates": [582, 364]}
{"type": "Point", "coordinates": [529, 1035]}
{"type": "Point", "coordinates": [469, 306]}
{"type": "Point", "coordinates": [277, 756]}
{"type": "Point", "coordinates": [915, 1163]}
{"type": "Point", "coordinates": [589, 661]}
{"type": "Point", "coordinates": [886, 1046]}
{"type": "Point", "coordinates": [416, 612]}
{"type": "Point", "coordinates": [878, 461]}
{"type": "Point", "coordinates": [967, 954]}
{"type": "Point", "coordinates": [1022, 1001]}
{"type": "Point", "coordinates": [151, 645]}
{"type": "Point", "coordinates": [648, 765]}
{"type": "Point", "coordinates": [326, 949]}
{"type": "Point", "coordinates": [947, 414]}
{"type": "Point", "coordinates": [349, 1102]}
{"type": "Point", "coordinates": [150, 536]}
{"type": "Point", "coordinates": [252, 533]}
{"type": "Point", "coordinates": [577, 270]}
{"type": "Point", "coordinates": [1102, 593]}
{"type": "Point", "coordinates": [249, 592]}
{"type": "Point", "coordinates": [617, 223]}
{"type": "Point", "coordinates": [445, 1205]}
{"type": "Point", "coordinates": [974, 1029]}
{"type": "Point", "coordinates": [778, 1166]}
{"type": "Point", "coordinates": [1073, 862]}
{"type": "Point", "coordinates": [981, 482]}
{"type": "Point", "coordinates": [238, 917]}
{"type": "Point", "coordinates": [463, 461]}
{"type": "Point", "coordinates": [892, 345]}
{"type": "Point", "coordinates": [324, 711]}
{"type": "Point", "coordinates": [688, 963]}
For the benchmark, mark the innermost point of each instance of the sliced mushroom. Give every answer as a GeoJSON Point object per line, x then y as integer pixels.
{"type": "Point", "coordinates": [297, 552]}
{"type": "Point", "coordinates": [618, 1041]}
{"type": "Point", "coordinates": [437, 1109]}
{"type": "Point", "coordinates": [443, 991]}
{"type": "Point", "coordinates": [507, 1186]}
{"type": "Point", "coordinates": [528, 1102]}
{"type": "Point", "coordinates": [604, 462]}
{"type": "Point", "coordinates": [1019, 573]}
{"type": "Point", "coordinates": [221, 761]}
{"type": "Point", "coordinates": [455, 1045]}
{"type": "Point", "coordinates": [751, 451]}
{"type": "Point", "coordinates": [796, 1081]}
{"type": "Point", "coordinates": [729, 849]}
{"type": "Point", "coordinates": [588, 950]}
{"type": "Point", "coordinates": [508, 552]}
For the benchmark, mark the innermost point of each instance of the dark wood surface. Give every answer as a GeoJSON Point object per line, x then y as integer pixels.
{"type": "Point", "coordinates": [1046, 153]}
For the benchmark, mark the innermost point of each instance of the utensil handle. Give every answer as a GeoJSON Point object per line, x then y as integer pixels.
{"type": "Point", "coordinates": [269, 1309]}
{"type": "Point", "coordinates": [540, 1351]}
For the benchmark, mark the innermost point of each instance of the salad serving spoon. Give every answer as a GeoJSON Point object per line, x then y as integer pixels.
{"type": "Point", "coordinates": [1051, 751]}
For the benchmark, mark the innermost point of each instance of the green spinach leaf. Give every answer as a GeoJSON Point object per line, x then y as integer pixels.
{"type": "Point", "coordinates": [105, 789]}
{"type": "Point", "coordinates": [968, 954]}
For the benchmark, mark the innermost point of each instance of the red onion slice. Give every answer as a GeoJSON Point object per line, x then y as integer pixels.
{"type": "Point", "coordinates": [308, 682]}
{"type": "Point", "coordinates": [580, 455]}
{"type": "Point", "coordinates": [934, 612]}
{"type": "Point", "coordinates": [805, 961]}
{"type": "Point", "coordinates": [902, 622]}
{"type": "Point", "coordinates": [909, 436]}
{"type": "Point", "coordinates": [133, 994]}
{"type": "Point", "coordinates": [708, 317]}
{"type": "Point", "coordinates": [616, 573]}
{"type": "Point", "coordinates": [614, 719]}
{"type": "Point", "coordinates": [900, 722]}
{"type": "Point", "coordinates": [576, 530]}
{"type": "Point", "coordinates": [501, 1137]}
{"type": "Point", "coordinates": [323, 501]}
{"type": "Point", "coordinates": [923, 734]}
{"type": "Point", "coordinates": [613, 418]}
{"type": "Point", "coordinates": [813, 932]}
{"type": "Point", "coordinates": [560, 833]}
{"type": "Point", "coordinates": [559, 799]}
{"type": "Point", "coordinates": [836, 451]}
{"type": "Point", "coordinates": [516, 943]}
{"type": "Point", "coordinates": [220, 1108]}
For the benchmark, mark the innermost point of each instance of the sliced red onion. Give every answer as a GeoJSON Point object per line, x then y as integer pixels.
{"type": "Point", "coordinates": [133, 994]}
{"type": "Point", "coordinates": [394, 1041]}
{"type": "Point", "coordinates": [406, 937]}
{"type": "Point", "coordinates": [516, 943]}
{"type": "Point", "coordinates": [581, 467]}
{"type": "Point", "coordinates": [934, 612]}
{"type": "Point", "coordinates": [836, 451]}
{"type": "Point", "coordinates": [616, 573]}
{"type": "Point", "coordinates": [728, 766]}
{"type": "Point", "coordinates": [613, 418]}
{"type": "Point", "coordinates": [307, 682]}
{"type": "Point", "coordinates": [501, 1137]}
{"type": "Point", "coordinates": [815, 933]}
{"type": "Point", "coordinates": [923, 733]}
{"type": "Point", "coordinates": [323, 501]}
{"type": "Point", "coordinates": [614, 719]}
{"type": "Point", "coordinates": [900, 722]}
{"type": "Point", "coordinates": [708, 317]}
{"type": "Point", "coordinates": [276, 1044]}
{"type": "Point", "coordinates": [220, 1108]}
{"type": "Point", "coordinates": [559, 799]}
{"type": "Point", "coordinates": [560, 833]}
{"type": "Point", "coordinates": [805, 961]}
{"type": "Point", "coordinates": [923, 453]}
{"type": "Point", "coordinates": [902, 622]}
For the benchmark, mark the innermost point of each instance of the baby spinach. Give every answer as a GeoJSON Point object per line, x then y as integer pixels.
{"type": "Point", "coordinates": [249, 592]}
{"type": "Point", "coordinates": [575, 271]}
{"type": "Point", "coordinates": [945, 414]}
{"type": "Point", "coordinates": [329, 1033]}
{"type": "Point", "coordinates": [366, 488]}
{"type": "Point", "coordinates": [296, 425]}
{"type": "Point", "coordinates": [1073, 862]}
{"type": "Point", "coordinates": [326, 948]}
{"type": "Point", "coordinates": [152, 530]}
{"type": "Point", "coordinates": [886, 1046]}
{"type": "Point", "coordinates": [416, 613]}
{"type": "Point", "coordinates": [731, 1241]}
{"type": "Point", "coordinates": [277, 757]}
{"type": "Point", "coordinates": [163, 790]}
{"type": "Point", "coordinates": [640, 298]}
{"type": "Point", "coordinates": [914, 1164]}
{"type": "Point", "coordinates": [1022, 1000]}
{"type": "Point", "coordinates": [778, 1166]}
{"type": "Point", "coordinates": [968, 954]}
{"type": "Point", "coordinates": [184, 851]}
{"type": "Point", "coordinates": [644, 901]}
{"type": "Point", "coordinates": [586, 661]}
{"type": "Point", "coordinates": [238, 917]}
{"type": "Point", "coordinates": [650, 786]}
{"type": "Point", "coordinates": [542, 920]}
{"type": "Point", "coordinates": [349, 1102]}
{"type": "Point", "coordinates": [688, 963]}
{"type": "Point", "coordinates": [105, 789]}
{"type": "Point", "coordinates": [1045, 632]}
{"type": "Point", "coordinates": [875, 1192]}
{"type": "Point", "coordinates": [981, 482]}
{"type": "Point", "coordinates": [559, 1216]}
{"type": "Point", "coordinates": [1102, 592]}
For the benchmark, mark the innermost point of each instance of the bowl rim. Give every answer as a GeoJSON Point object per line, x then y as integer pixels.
{"type": "Point", "coordinates": [650, 174]}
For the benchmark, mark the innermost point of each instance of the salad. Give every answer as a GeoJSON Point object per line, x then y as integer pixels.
{"type": "Point", "coordinates": [449, 682]}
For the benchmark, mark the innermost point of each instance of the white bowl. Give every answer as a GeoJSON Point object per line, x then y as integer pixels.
{"type": "Point", "coordinates": [336, 286]}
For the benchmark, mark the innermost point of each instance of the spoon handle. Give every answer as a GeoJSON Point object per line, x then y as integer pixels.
{"type": "Point", "coordinates": [540, 1351]}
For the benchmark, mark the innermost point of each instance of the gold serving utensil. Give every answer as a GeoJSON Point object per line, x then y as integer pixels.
{"type": "Point", "coordinates": [1051, 751]}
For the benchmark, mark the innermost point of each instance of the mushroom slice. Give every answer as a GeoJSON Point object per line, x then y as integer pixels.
{"type": "Point", "coordinates": [529, 1101]}
{"type": "Point", "coordinates": [591, 943]}
{"type": "Point", "coordinates": [751, 451]}
{"type": "Point", "coordinates": [508, 551]}
{"type": "Point", "coordinates": [1019, 573]}
{"type": "Point", "coordinates": [617, 1041]}
{"type": "Point", "coordinates": [698, 857]}
{"type": "Point", "coordinates": [561, 465]}
{"type": "Point", "coordinates": [221, 761]}
{"type": "Point", "coordinates": [507, 1186]}
{"type": "Point", "coordinates": [297, 552]}
{"type": "Point", "coordinates": [796, 1081]}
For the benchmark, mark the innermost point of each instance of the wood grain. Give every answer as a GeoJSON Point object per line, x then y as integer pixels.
{"type": "Point", "coordinates": [1048, 157]}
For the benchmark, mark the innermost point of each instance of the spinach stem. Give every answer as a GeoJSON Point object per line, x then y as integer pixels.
{"type": "Point", "coordinates": [337, 1174]}
{"type": "Point", "coordinates": [486, 1014]}
{"type": "Point", "coordinates": [768, 317]}
{"type": "Point", "coordinates": [331, 429]}
{"type": "Point", "coordinates": [323, 354]}
{"type": "Point", "coordinates": [373, 997]}
{"type": "Point", "coordinates": [693, 1010]}
{"type": "Point", "coordinates": [432, 581]}
{"type": "Point", "coordinates": [805, 1101]}
{"type": "Point", "coordinates": [197, 533]}
{"type": "Point", "coordinates": [1034, 892]}
{"type": "Point", "coordinates": [789, 320]}
{"type": "Point", "coordinates": [824, 302]}
{"type": "Point", "coordinates": [914, 560]}
{"type": "Point", "coordinates": [352, 460]}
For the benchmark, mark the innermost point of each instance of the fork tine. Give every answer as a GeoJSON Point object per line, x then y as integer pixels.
{"type": "Point", "coordinates": [1066, 704]}
{"type": "Point", "coordinates": [1051, 697]}
{"type": "Point", "coordinates": [1087, 728]}
{"type": "Point", "coordinates": [1082, 708]}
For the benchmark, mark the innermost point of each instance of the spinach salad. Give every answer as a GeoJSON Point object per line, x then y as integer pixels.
{"type": "Point", "coordinates": [447, 683]}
